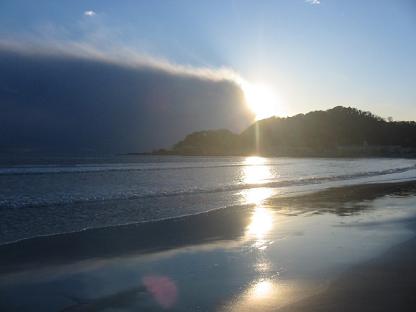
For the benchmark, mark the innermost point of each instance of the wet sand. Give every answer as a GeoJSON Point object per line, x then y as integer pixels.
{"type": "Point", "coordinates": [121, 241]}
{"type": "Point", "coordinates": [281, 253]}
{"type": "Point", "coordinates": [387, 283]}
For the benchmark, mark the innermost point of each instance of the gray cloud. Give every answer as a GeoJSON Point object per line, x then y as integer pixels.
{"type": "Point", "coordinates": [73, 97]}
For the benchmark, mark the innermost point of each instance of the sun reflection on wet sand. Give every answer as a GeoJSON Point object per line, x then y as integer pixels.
{"type": "Point", "coordinates": [261, 223]}
{"type": "Point", "coordinates": [263, 292]}
{"type": "Point", "coordinates": [261, 295]}
{"type": "Point", "coordinates": [262, 289]}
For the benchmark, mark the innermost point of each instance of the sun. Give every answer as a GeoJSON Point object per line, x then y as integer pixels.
{"type": "Point", "coordinates": [262, 100]}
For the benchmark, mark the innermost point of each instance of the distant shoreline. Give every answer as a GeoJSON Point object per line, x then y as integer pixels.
{"type": "Point", "coordinates": [409, 155]}
{"type": "Point", "coordinates": [337, 132]}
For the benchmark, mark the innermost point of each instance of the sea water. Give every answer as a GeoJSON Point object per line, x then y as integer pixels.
{"type": "Point", "coordinates": [49, 195]}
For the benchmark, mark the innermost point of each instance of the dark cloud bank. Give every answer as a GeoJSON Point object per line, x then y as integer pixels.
{"type": "Point", "coordinates": [67, 103]}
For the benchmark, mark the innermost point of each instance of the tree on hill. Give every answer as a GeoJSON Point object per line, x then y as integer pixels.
{"type": "Point", "coordinates": [315, 133]}
{"type": "Point", "coordinates": [213, 142]}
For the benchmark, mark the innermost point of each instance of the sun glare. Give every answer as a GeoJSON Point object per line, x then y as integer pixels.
{"type": "Point", "coordinates": [262, 100]}
{"type": "Point", "coordinates": [262, 289]}
{"type": "Point", "coordinates": [261, 223]}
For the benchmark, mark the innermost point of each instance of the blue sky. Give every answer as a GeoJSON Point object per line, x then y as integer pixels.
{"type": "Point", "coordinates": [314, 54]}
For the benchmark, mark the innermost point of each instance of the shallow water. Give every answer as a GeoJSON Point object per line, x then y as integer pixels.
{"type": "Point", "coordinates": [43, 196]}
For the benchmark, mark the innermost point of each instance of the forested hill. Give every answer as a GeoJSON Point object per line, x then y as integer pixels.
{"type": "Point", "coordinates": [339, 131]}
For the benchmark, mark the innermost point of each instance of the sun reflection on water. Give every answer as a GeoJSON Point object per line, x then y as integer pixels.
{"type": "Point", "coordinates": [256, 170]}
{"type": "Point", "coordinates": [263, 291]}
{"type": "Point", "coordinates": [254, 160]}
{"type": "Point", "coordinates": [262, 219]}
{"type": "Point", "coordinates": [257, 195]}
{"type": "Point", "coordinates": [256, 174]}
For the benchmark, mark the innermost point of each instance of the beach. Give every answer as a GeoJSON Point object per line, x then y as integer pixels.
{"type": "Point", "coordinates": [207, 156]}
{"type": "Point", "coordinates": [342, 248]}
{"type": "Point", "coordinates": [386, 283]}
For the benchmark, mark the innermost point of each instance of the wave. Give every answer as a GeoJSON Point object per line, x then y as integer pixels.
{"type": "Point", "coordinates": [74, 169]}
{"type": "Point", "coordinates": [221, 213]}
{"type": "Point", "coordinates": [4, 204]}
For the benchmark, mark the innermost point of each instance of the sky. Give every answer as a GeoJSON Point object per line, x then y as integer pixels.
{"type": "Point", "coordinates": [198, 58]}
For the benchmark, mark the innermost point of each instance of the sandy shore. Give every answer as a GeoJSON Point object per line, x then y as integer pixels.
{"type": "Point", "coordinates": [387, 283]}
{"type": "Point", "coordinates": [241, 258]}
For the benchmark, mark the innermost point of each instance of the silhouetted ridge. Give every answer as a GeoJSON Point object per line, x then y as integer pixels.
{"type": "Point", "coordinates": [340, 131]}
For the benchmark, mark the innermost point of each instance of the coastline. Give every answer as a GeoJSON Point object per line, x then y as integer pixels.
{"type": "Point", "coordinates": [225, 224]}
{"type": "Point", "coordinates": [332, 154]}
{"type": "Point", "coordinates": [226, 259]}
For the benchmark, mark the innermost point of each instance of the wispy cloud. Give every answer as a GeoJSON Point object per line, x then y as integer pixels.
{"type": "Point", "coordinates": [313, 2]}
{"type": "Point", "coordinates": [120, 55]}
{"type": "Point", "coordinates": [89, 13]}
{"type": "Point", "coordinates": [99, 42]}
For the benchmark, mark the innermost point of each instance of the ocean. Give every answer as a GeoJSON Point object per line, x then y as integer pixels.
{"type": "Point", "coordinates": [49, 195]}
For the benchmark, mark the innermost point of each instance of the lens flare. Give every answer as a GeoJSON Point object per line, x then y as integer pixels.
{"type": "Point", "coordinates": [163, 290]}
